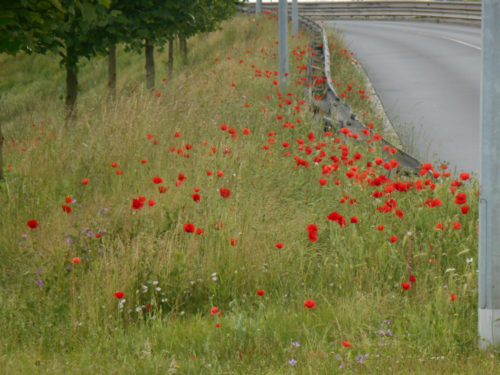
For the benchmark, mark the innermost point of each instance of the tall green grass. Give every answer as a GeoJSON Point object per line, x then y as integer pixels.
{"type": "Point", "coordinates": [59, 317]}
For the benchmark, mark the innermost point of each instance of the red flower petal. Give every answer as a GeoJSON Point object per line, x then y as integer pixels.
{"type": "Point", "coordinates": [119, 294]}
{"type": "Point", "coordinates": [310, 304]}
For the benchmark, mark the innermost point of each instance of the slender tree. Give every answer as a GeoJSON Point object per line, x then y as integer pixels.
{"type": "Point", "coordinates": [1, 153]}
{"type": "Point", "coordinates": [66, 27]}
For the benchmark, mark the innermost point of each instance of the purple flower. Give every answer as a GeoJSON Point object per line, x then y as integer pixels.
{"type": "Point", "coordinates": [292, 362]}
{"type": "Point", "coordinates": [39, 271]}
{"type": "Point", "coordinates": [40, 283]}
{"type": "Point", "coordinates": [296, 344]}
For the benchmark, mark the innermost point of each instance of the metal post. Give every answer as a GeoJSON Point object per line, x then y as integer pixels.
{"type": "Point", "coordinates": [295, 18]}
{"type": "Point", "coordinates": [489, 201]}
{"type": "Point", "coordinates": [258, 6]}
{"type": "Point", "coordinates": [283, 44]}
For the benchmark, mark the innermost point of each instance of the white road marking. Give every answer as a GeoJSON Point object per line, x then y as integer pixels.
{"type": "Point", "coordinates": [462, 42]}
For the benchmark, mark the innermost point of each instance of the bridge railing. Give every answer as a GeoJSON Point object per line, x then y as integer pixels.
{"type": "Point", "coordinates": [458, 12]}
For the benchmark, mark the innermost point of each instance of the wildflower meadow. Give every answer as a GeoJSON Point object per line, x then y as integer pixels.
{"type": "Point", "coordinates": [212, 226]}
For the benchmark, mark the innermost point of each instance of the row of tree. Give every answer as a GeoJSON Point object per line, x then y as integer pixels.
{"type": "Point", "coordinates": [76, 29]}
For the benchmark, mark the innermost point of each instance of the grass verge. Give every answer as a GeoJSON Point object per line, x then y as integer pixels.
{"type": "Point", "coordinates": [196, 202]}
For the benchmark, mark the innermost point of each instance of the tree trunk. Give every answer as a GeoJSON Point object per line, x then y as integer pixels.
{"type": "Point", "coordinates": [1, 147]}
{"type": "Point", "coordinates": [170, 63]}
{"type": "Point", "coordinates": [150, 66]}
{"type": "Point", "coordinates": [184, 49]}
{"type": "Point", "coordinates": [71, 91]}
{"type": "Point", "coordinates": [112, 71]}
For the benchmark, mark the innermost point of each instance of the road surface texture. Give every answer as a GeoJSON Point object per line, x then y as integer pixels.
{"type": "Point", "coordinates": [427, 76]}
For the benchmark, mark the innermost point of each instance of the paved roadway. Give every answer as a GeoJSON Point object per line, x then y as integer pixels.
{"type": "Point", "coordinates": [427, 76]}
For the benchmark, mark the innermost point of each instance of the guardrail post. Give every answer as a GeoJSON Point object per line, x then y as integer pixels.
{"type": "Point", "coordinates": [258, 6]}
{"type": "Point", "coordinates": [283, 44]}
{"type": "Point", "coordinates": [489, 200]}
{"type": "Point", "coordinates": [295, 18]}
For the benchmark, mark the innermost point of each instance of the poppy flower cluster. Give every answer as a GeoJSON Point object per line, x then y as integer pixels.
{"type": "Point", "coordinates": [312, 231]}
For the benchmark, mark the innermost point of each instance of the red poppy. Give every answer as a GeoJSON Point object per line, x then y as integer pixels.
{"type": "Point", "coordinates": [405, 286]}
{"type": "Point", "coordinates": [144, 161]}
{"type": "Point", "coordinates": [214, 310]}
{"type": "Point", "coordinates": [461, 198]}
{"type": "Point", "coordinates": [114, 165]}
{"type": "Point", "coordinates": [464, 176]}
{"type": "Point", "coordinates": [162, 189]}
{"type": "Point", "coordinates": [85, 181]}
{"type": "Point", "coordinates": [457, 225]}
{"type": "Point", "coordinates": [189, 228]}
{"type": "Point", "coordinates": [399, 214]}
{"type": "Point", "coordinates": [151, 203]}
{"type": "Point", "coordinates": [32, 224]}
{"type": "Point", "coordinates": [157, 180]}
{"type": "Point", "coordinates": [119, 172]}
{"type": "Point", "coordinates": [354, 220]}
{"type": "Point", "coordinates": [335, 216]}
{"type": "Point", "coordinates": [177, 134]}
{"type": "Point", "coordinates": [220, 173]}
{"type": "Point", "coordinates": [412, 279]}
{"type": "Point", "coordinates": [76, 260]}
{"type": "Point", "coordinates": [209, 173]}
{"type": "Point", "coordinates": [246, 131]}
{"type": "Point", "coordinates": [453, 297]}
{"type": "Point", "coordinates": [380, 227]}
{"type": "Point", "coordinates": [181, 177]}
{"type": "Point", "coordinates": [68, 200]}
{"type": "Point", "coordinates": [439, 226]}
{"type": "Point", "coordinates": [217, 325]}
{"type": "Point", "coordinates": [66, 208]}
{"type": "Point", "coordinates": [119, 294]}
{"type": "Point", "coordinates": [394, 239]}
{"type": "Point", "coordinates": [225, 193]}
{"type": "Point", "coordinates": [260, 293]}
{"type": "Point", "coordinates": [313, 236]}
{"type": "Point", "coordinates": [199, 231]}
{"type": "Point", "coordinates": [279, 245]}
{"type": "Point", "coordinates": [464, 209]}
{"type": "Point", "coordinates": [233, 241]}
{"type": "Point", "coordinates": [137, 204]}
{"type": "Point", "coordinates": [196, 197]}
{"type": "Point", "coordinates": [322, 181]}
{"type": "Point", "coordinates": [310, 304]}
{"type": "Point", "coordinates": [346, 344]}
{"type": "Point", "coordinates": [312, 228]}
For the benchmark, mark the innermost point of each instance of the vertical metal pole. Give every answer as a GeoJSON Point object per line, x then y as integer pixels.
{"type": "Point", "coordinates": [489, 201]}
{"type": "Point", "coordinates": [295, 18]}
{"type": "Point", "coordinates": [283, 44]}
{"type": "Point", "coordinates": [258, 6]}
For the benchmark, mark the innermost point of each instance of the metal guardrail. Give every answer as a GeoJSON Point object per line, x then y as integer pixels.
{"type": "Point", "coordinates": [339, 115]}
{"type": "Point", "coordinates": [458, 12]}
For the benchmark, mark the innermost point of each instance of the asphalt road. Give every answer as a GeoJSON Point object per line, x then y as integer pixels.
{"type": "Point", "coordinates": [427, 76]}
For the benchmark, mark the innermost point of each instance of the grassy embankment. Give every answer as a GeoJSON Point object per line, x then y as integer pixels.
{"type": "Point", "coordinates": [59, 317]}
